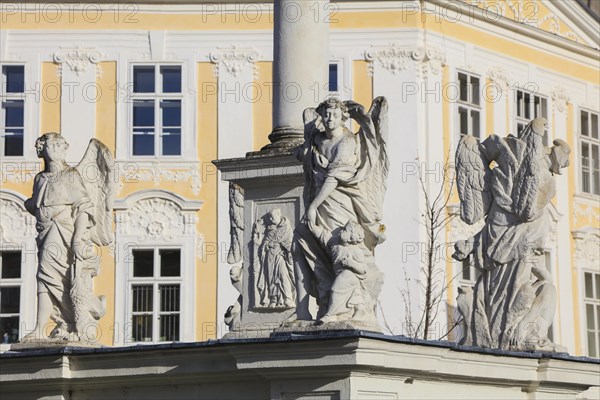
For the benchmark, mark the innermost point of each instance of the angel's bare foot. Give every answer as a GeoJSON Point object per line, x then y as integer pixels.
{"type": "Point", "coordinates": [33, 336]}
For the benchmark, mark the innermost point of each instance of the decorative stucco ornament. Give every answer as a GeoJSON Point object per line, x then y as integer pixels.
{"type": "Point", "coordinates": [513, 302]}
{"type": "Point", "coordinates": [344, 185]}
{"type": "Point", "coordinates": [73, 209]}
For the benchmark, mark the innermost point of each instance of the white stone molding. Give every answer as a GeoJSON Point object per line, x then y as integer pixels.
{"type": "Point", "coordinates": [500, 76]}
{"type": "Point", "coordinates": [15, 221]}
{"type": "Point", "coordinates": [234, 60]}
{"type": "Point", "coordinates": [156, 215]}
{"type": "Point", "coordinates": [584, 211]}
{"type": "Point", "coordinates": [395, 58]}
{"type": "Point", "coordinates": [159, 171]}
{"type": "Point", "coordinates": [78, 58]}
{"type": "Point", "coordinates": [587, 243]}
{"type": "Point", "coordinates": [560, 99]}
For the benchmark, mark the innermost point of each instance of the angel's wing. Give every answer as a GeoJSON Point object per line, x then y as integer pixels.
{"type": "Point", "coordinates": [472, 179]}
{"type": "Point", "coordinates": [96, 169]}
{"type": "Point", "coordinates": [374, 164]}
{"type": "Point", "coordinates": [312, 121]}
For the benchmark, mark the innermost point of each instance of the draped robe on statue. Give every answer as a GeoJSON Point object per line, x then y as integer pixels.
{"type": "Point", "coordinates": [359, 166]}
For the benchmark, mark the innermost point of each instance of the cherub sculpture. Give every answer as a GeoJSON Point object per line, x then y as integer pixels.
{"type": "Point", "coordinates": [509, 183]}
{"type": "Point", "coordinates": [344, 180]}
{"type": "Point", "coordinates": [73, 209]}
{"type": "Point", "coordinates": [357, 280]}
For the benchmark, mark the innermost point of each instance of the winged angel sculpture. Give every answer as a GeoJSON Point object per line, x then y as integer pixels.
{"type": "Point", "coordinates": [509, 183]}
{"type": "Point", "coordinates": [73, 209]}
{"type": "Point", "coordinates": [345, 181]}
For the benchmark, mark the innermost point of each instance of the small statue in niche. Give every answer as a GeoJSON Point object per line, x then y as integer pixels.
{"type": "Point", "coordinates": [73, 209]}
{"type": "Point", "coordinates": [275, 279]}
{"type": "Point", "coordinates": [512, 304]}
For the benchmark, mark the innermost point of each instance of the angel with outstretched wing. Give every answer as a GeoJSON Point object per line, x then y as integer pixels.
{"type": "Point", "coordinates": [73, 208]}
{"type": "Point", "coordinates": [345, 181]}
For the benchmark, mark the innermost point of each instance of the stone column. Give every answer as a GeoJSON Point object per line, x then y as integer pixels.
{"type": "Point", "coordinates": [300, 66]}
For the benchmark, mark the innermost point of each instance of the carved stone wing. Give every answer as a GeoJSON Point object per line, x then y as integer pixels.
{"type": "Point", "coordinates": [374, 163]}
{"type": "Point", "coordinates": [97, 171]}
{"type": "Point", "coordinates": [472, 179]}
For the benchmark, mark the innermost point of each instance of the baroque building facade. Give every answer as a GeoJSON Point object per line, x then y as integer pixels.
{"type": "Point", "coordinates": [171, 87]}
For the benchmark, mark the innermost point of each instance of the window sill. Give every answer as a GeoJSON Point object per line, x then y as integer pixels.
{"type": "Point", "coordinates": [588, 199]}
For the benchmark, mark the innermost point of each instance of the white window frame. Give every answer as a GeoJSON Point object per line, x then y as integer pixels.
{"type": "Point", "coordinates": [13, 282]}
{"type": "Point", "coordinates": [544, 111]}
{"type": "Point", "coordinates": [21, 237]}
{"type": "Point", "coordinates": [157, 96]}
{"type": "Point", "coordinates": [156, 280]}
{"type": "Point", "coordinates": [469, 105]}
{"type": "Point", "coordinates": [128, 238]}
{"type": "Point", "coordinates": [591, 141]}
{"type": "Point", "coordinates": [30, 96]}
{"type": "Point", "coordinates": [595, 302]}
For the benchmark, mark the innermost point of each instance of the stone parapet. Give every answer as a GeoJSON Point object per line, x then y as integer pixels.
{"type": "Point", "coordinates": [323, 365]}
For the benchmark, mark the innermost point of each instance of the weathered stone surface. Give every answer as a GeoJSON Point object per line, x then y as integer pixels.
{"type": "Point", "coordinates": [513, 302]}
{"type": "Point", "coordinates": [344, 185]}
{"type": "Point", "coordinates": [327, 364]}
{"type": "Point", "coordinates": [73, 208]}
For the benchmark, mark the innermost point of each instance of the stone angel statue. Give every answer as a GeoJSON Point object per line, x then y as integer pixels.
{"type": "Point", "coordinates": [512, 304]}
{"type": "Point", "coordinates": [73, 209]}
{"type": "Point", "coordinates": [344, 181]}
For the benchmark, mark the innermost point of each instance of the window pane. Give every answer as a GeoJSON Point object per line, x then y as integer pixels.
{"type": "Point", "coordinates": [10, 298]}
{"type": "Point", "coordinates": [141, 328]}
{"type": "Point", "coordinates": [9, 329]}
{"type": "Point", "coordinates": [333, 77]}
{"type": "Point", "coordinates": [169, 328]}
{"type": "Point", "coordinates": [13, 142]}
{"type": "Point", "coordinates": [171, 113]}
{"type": "Point", "coordinates": [171, 79]}
{"type": "Point", "coordinates": [463, 121]}
{"type": "Point", "coordinates": [585, 167]}
{"type": "Point", "coordinates": [143, 144]}
{"type": "Point", "coordinates": [595, 169]}
{"type": "Point", "coordinates": [11, 264]}
{"type": "Point", "coordinates": [169, 298]}
{"type": "Point", "coordinates": [527, 105]}
{"type": "Point", "coordinates": [475, 123]}
{"type": "Point", "coordinates": [520, 105]}
{"type": "Point", "coordinates": [589, 290]}
{"type": "Point", "coordinates": [143, 113]}
{"type": "Point", "coordinates": [474, 90]}
{"type": "Point", "coordinates": [14, 76]}
{"type": "Point", "coordinates": [594, 125]}
{"type": "Point", "coordinates": [142, 298]}
{"type": "Point", "coordinates": [544, 105]}
{"type": "Point", "coordinates": [13, 111]}
{"type": "Point", "coordinates": [464, 89]}
{"type": "Point", "coordinates": [171, 142]}
{"type": "Point", "coordinates": [170, 261]}
{"type": "Point", "coordinates": [466, 269]}
{"type": "Point", "coordinates": [143, 263]}
{"type": "Point", "coordinates": [537, 110]}
{"type": "Point", "coordinates": [584, 123]}
{"type": "Point", "coordinates": [592, 344]}
{"type": "Point", "coordinates": [597, 279]}
{"type": "Point", "coordinates": [143, 79]}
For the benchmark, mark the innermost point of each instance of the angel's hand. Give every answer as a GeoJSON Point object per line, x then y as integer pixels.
{"type": "Point", "coordinates": [81, 249]}
{"type": "Point", "coordinates": [356, 110]}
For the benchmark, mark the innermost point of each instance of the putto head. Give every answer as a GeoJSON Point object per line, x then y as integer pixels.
{"type": "Point", "coordinates": [352, 233]}
{"type": "Point", "coordinates": [333, 102]}
{"type": "Point", "coordinates": [40, 143]}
